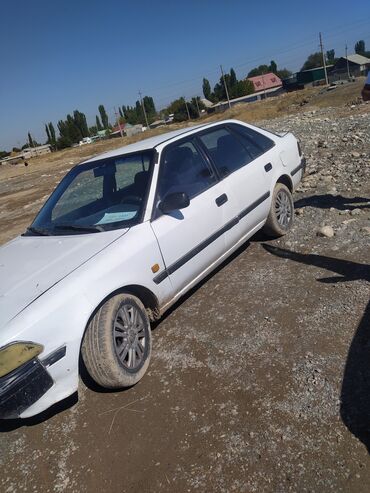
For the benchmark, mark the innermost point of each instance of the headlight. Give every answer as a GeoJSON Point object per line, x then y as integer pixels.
{"type": "Point", "coordinates": [16, 354]}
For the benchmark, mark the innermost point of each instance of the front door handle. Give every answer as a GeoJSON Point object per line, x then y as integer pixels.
{"type": "Point", "coordinates": [268, 167]}
{"type": "Point", "coordinates": [221, 199]}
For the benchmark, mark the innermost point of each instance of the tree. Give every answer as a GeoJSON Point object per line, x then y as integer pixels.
{"type": "Point", "coordinates": [284, 73]}
{"type": "Point", "coordinates": [30, 140]}
{"type": "Point", "coordinates": [47, 134]}
{"type": "Point", "coordinates": [206, 86]}
{"type": "Point", "coordinates": [98, 124]}
{"type": "Point", "coordinates": [5, 154]}
{"type": "Point", "coordinates": [93, 130]}
{"type": "Point", "coordinates": [360, 47]}
{"type": "Point", "coordinates": [178, 108]}
{"type": "Point", "coordinates": [81, 123]}
{"type": "Point", "coordinates": [208, 94]}
{"type": "Point", "coordinates": [313, 61]}
{"type": "Point", "coordinates": [103, 116]}
{"type": "Point", "coordinates": [135, 114]}
{"type": "Point", "coordinates": [236, 88]}
{"type": "Point", "coordinates": [232, 79]}
{"type": "Point", "coordinates": [273, 67]}
{"type": "Point", "coordinates": [52, 134]}
{"type": "Point", "coordinates": [262, 69]}
{"type": "Point", "coordinates": [330, 56]}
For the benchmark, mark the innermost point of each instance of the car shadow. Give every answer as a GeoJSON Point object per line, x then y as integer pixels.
{"type": "Point", "coordinates": [355, 390]}
{"type": "Point", "coordinates": [339, 202]}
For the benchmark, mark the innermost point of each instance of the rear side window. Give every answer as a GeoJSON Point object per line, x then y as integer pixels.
{"type": "Point", "coordinates": [256, 143]}
{"type": "Point", "coordinates": [226, 149]}
{"type": "Point", "coordinates": [183, 169]}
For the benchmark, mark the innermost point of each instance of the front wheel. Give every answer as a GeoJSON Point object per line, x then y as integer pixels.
{"type": "Point", "coordinates": [281, 215]}
{"type": "Point", "coordinates": [116, 348]}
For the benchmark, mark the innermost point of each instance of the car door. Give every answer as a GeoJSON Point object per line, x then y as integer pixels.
{"type": "Point", "coordinates": [190, 239]}
{"type": "Point", "coordinates": [244, 180]}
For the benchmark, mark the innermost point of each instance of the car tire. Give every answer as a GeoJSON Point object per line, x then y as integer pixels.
{"type": "Point", "coordinates": [281, 215]}
{"type": "Point", "coordinates": [117, 345]}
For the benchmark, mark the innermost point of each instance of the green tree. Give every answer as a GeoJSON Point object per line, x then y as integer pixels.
{"type": "Point", "coordinates": [273, 67]}
{"type": "Point", "coordinates": [260, 70]}
{"type": "Point", "coordinates": [30, 140]}
{"type": "Point", "coordinates": [47, 134]}
{"type": "Point", "coordinates": [206, 88]}
{"type": "Point", "coordinates": [135, 114]}
{"type": "Point", "coordinates": [284, 73]}
{"type": "Point", "coordinates": [81, 123]}
{"type": "Point", "coordinates": [52, 134]}
{"type": "Point", "coordinates": [178, 108]}
{"type": "Point", "coordinates": [236, 88]}
{"type": "Point", "coordinates": [103, 116]}
{"type": "Point", "coordinates": [5, 154]}
{"type": "Point", "coordinates": [232, 79]}
{"type": "Point", "coordinates": [313, 61]}
{"type": "Point", "coordinates": [93, 130]}
{"type": "Point", "coordinates": [330, 56]}
{"type": "Point", "coordinates": [99, 126]}
{"type": "Point", "coordinates": [360, 47]}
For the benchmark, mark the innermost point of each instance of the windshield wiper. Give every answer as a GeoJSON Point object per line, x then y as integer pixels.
{"type": "Point", "coordinates": [76, 227]}
{"type": "Point", "coordinates": [38, 231]}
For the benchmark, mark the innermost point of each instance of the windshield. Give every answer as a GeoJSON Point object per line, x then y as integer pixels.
{"type": "Point", "coordinates": [99, 196]}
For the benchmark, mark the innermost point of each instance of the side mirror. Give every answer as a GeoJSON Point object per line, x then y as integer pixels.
{"type": "Point", "coordinates": [174, 202]}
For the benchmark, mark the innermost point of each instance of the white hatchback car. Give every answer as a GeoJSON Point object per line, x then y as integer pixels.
{"type": "Point", "coordinates": [122, 237]}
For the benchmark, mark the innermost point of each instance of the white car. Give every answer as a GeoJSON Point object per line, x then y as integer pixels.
{"type": "Point", "coordinates": [123, 236]}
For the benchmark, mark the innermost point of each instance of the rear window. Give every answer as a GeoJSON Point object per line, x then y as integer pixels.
{"type": "Point", "coordinates": [256, 142]}
{"type": "Point", "coordinates": [226, 149]}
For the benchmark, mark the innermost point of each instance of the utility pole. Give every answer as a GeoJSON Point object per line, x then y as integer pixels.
{"type": "Point", "coordinates": [225, 85]}
{"type": "Point", "coordinates": [323, 60]}
{"type": "Point", "coordinates": [142, 104]}
{"type": "Point", "coordinates": [196, 102]}
{"type": "Point", "coordinates": [347, 64]}
{"type": "Point", "coordinates": [118, 122]}
{"type": "Point", "coordinates": [187, 109]}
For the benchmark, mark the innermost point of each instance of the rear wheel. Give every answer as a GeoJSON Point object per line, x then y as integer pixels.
{"type": "Point", "coordinates": [117, 344]}
{"type": "Point", "coordinates": [281, 215]}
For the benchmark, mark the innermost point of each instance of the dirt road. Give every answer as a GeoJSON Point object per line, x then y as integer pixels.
{"type": "Point", "coordinates": [260, 378]}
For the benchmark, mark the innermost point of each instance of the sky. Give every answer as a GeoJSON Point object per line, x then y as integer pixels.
{"type": "Point", "coordinates": [60, 56]}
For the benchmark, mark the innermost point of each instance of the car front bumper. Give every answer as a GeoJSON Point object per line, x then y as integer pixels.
{"type": "Point", "coordinates": [25, 385]}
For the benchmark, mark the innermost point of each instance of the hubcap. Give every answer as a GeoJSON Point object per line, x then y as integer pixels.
{"type": "Point", "coordinates": [129, 337]}
{"type": "Point", "coordinates": [283, 209]}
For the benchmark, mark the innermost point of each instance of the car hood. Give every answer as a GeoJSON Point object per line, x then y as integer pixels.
{"type": "Point", "coordinates": [30, 265]}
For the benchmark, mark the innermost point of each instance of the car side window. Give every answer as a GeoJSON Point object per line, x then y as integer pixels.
{"type": "Point", "coordinates": [183, 169]}
{"type": "Point", "coordinates": [255, 142]}
{"type": "Point", "coordinates": [226, 149]}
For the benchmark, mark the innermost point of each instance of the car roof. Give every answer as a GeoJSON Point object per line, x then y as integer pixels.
{"type": "Point", "coordinates": [152, 142]}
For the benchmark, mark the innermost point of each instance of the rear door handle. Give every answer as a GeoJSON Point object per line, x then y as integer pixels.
{"type": "Point", "coordinates": [221, 199]}
{"type": "Point", "coordinates": [268, 167]}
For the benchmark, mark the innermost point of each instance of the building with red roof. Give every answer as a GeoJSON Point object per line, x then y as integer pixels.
{"type": "Point", "coordinates": [266, 81]}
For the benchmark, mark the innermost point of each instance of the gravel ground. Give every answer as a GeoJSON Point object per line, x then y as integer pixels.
{"type": "Point", "coordinates": [260, 377]}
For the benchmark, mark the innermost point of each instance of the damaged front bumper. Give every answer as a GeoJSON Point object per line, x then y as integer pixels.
{"type": "Point", "coordinates": [25, 385]}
